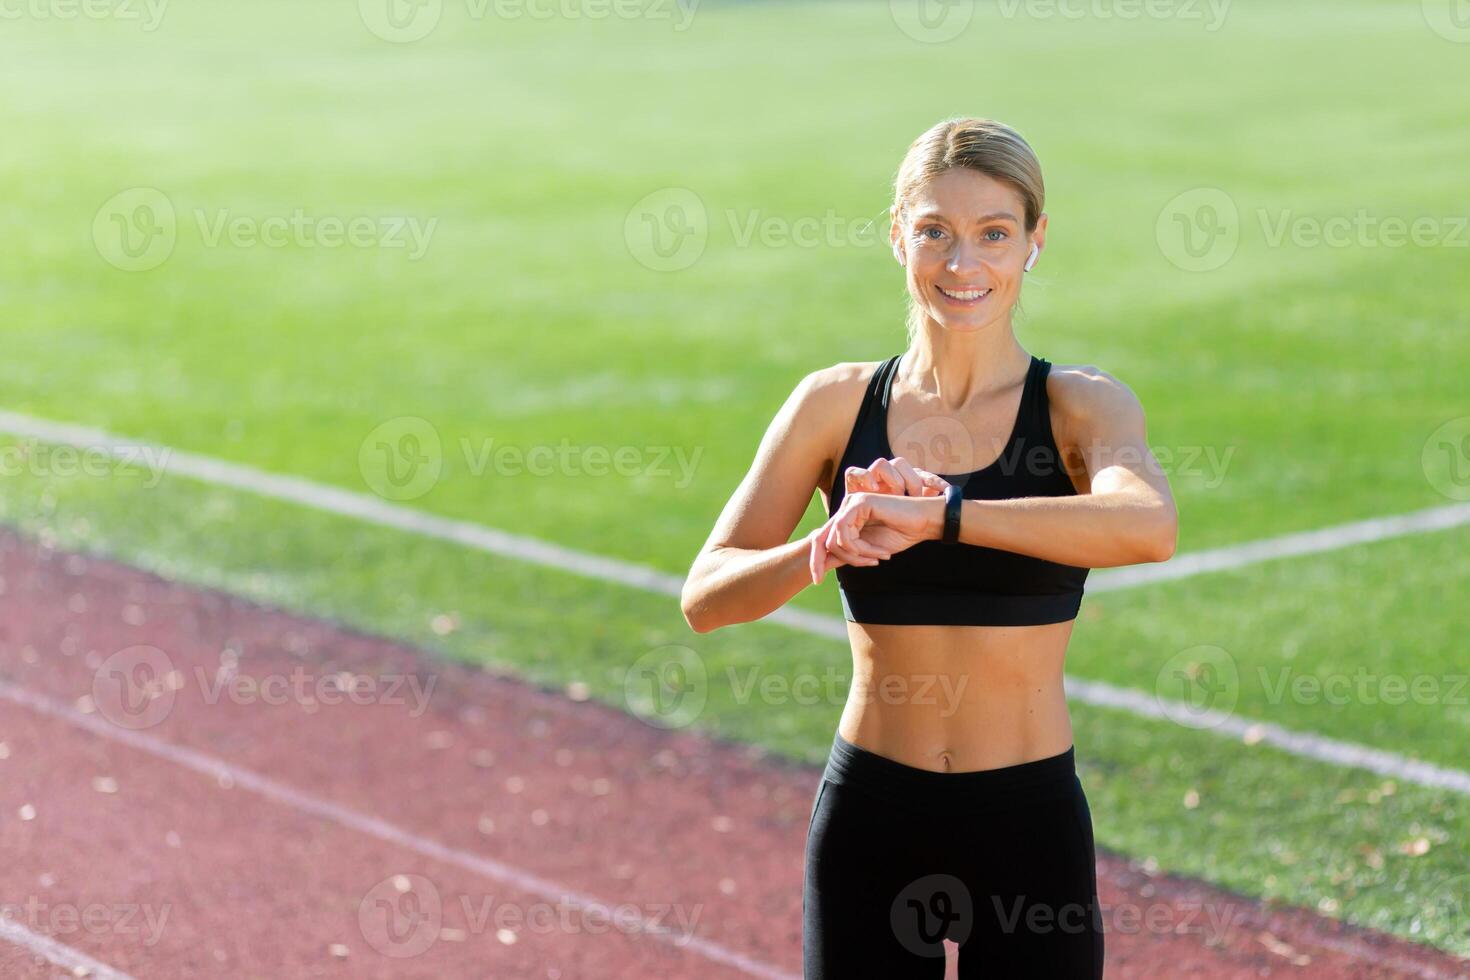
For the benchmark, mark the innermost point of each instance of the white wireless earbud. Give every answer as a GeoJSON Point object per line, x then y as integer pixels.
{"type": "Point", "coordinates": [1032, 260]}
{"type": "Point", "coordinates": [901, 260]}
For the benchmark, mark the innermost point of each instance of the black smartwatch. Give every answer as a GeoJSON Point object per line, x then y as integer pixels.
{"type": "Point", "coordinates": [954, 496]}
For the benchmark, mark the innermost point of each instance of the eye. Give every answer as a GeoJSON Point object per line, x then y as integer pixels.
{"type": "Point", "coordinates": [998, 234]}
{"type": "Point", "coordinates": [937, 232]}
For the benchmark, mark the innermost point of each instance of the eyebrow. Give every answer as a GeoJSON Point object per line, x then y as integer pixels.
{"type": "Point", "coordinates": [984, 217]}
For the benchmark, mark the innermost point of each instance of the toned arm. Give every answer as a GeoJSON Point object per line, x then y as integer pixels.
{"type": "Point", "coordinates": [1127, 514]}
{"type": "Point", "coordinates": [748, 568]}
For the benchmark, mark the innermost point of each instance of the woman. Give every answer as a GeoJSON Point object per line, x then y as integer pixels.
{"type": "Point", "coordinates": [969, 489]}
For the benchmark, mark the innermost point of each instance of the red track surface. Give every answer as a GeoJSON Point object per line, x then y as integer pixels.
{"type": "Point", "coordinates": [458, 835]}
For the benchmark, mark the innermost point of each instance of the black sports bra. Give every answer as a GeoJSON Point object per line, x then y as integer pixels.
{"type": "Point", "coordinates": [962, 584]}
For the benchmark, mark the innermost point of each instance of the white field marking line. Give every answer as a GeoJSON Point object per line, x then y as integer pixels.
{"type": "Point", "coordinates": [349, 503]}
{"type": "Point", "coordinates": [58, 954]}
{"type": "Point", "coordinates": [1304, 744]}
{"type": "Point", "coordinates": [501, 872]}
{"type": "Point", "coordinates": [1287, 546]}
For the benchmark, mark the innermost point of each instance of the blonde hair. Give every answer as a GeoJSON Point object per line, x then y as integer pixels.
{"type": "Point", "coordinates": [984, 145]}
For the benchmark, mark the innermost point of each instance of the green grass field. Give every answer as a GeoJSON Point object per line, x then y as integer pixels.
{"type": "Point", "coordinates": [1313, 373]}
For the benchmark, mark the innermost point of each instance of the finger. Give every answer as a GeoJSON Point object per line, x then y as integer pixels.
{"type": "Point", "coordinates": [835, 547]}
{"type": "Point", "coordinates": [846, 538]}
{"type": "Point", "coordinates": [912, 485]}
{"type": "Point", "coordinates": [820, 559]}
{"type": "Point", "coordinates": [816, 556]}
{"type": "Point", "coordinates": [857, 479]}
{"type": "Point", "coordinates": [848, 557]}
{"type": "Point", "coordinates": [856, 513]}
{"type": "Point", "coordinates": [886, 476]}
{"type": "Point", "coordinates": [932, 484]}
{"type": "Point", "coordinates": [847, 524]}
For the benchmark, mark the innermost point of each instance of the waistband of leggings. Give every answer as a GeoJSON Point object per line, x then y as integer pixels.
{"type": "Point", "coordinates": [1052, 777]}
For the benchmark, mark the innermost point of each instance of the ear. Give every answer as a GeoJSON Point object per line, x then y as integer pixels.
{"type": "Point", "coordinates": [1038, 237]}
{"type": "Point", "coordinates": [895, 235]}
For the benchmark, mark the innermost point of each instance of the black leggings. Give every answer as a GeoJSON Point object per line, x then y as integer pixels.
{"type": "Point", "coordinates": [999, 861]}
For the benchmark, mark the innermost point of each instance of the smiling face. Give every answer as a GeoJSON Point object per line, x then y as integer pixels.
{"type": "Point", "coordinates": [964, 243]}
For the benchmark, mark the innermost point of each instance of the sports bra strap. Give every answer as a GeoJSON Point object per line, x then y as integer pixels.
{"type": "Point", "coordinates": [1038, 415]}
{"type": "Point", "coordinates": [877, 393]}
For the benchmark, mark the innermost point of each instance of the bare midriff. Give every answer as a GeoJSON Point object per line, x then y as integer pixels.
{"type": "Point", "coordinates": [958, 698]}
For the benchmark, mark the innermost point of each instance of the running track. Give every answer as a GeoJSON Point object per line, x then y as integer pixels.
{"type": "Point", "coordinates": [487, 830]}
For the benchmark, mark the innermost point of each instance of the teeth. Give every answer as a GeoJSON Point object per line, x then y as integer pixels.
{"type": "Point", "coordinates": [967, 294]}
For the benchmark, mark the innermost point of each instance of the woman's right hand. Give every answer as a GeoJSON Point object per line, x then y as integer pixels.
{"type": "Point", "coordinates": [869, 528]}
{"type": "Point", "coordinates": [895, 477]}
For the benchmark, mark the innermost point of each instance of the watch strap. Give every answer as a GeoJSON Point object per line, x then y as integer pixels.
{"type": "Point", "coordinates": [954, 497]}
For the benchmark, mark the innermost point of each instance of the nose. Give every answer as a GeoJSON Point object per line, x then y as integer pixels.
{"type": "Point", "coordinates": [964, 259]}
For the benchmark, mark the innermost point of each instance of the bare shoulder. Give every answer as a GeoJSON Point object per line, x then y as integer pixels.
{"type": "Point", "coordinates": [842, 378]}
{"type": "Point", "coordinates": [831, 395]}
{"type": "Point", "coordinates": [825, 405]}
{"type": "Point", "coordinates": [1084, 393]}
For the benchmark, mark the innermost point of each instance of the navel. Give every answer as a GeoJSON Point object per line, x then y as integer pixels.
{"type": "Point", "coordinates": [946, 761]}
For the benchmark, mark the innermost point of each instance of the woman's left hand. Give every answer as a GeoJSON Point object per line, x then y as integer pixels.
{"type": "Point", "coordinates": [872, 527]}
{"type": "Point", "coordinates": [896, 475]}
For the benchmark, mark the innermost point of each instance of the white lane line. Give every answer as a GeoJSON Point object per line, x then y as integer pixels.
{"type": "Point", "coordinates": [1285, 546]}
{"type": "Point", "coordinates": [389, 833]}
{"type": "Point", "coordinates": [1305, 744]}
{"type": "Point", "coordinates": [58, 954]}
{"type": "Point", "coordinates": [366, 507]}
